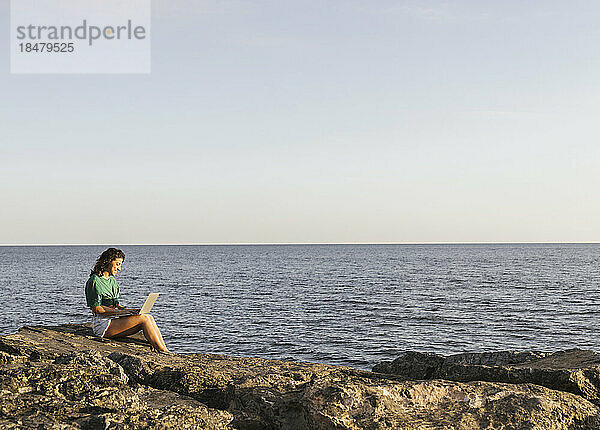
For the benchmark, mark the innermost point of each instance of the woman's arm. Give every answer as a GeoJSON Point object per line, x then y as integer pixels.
{"type": "Point", "coordinates": [129, 309]}
{"type": "Point", "coordinates": [107, 311]}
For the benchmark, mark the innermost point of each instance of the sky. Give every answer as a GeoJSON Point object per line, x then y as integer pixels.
{"type": "Point", "coordinates": [316, 122]}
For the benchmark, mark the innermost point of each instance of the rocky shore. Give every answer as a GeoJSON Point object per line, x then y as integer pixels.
{"type": "Point", "coordinates": [65, 378]}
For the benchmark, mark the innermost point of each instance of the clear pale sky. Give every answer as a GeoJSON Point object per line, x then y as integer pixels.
{"type": "Point", "coordinates": [316, 121]}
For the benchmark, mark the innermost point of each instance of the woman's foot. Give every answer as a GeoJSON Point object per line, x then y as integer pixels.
{"type": "Point", "coordinates": [166, 351]}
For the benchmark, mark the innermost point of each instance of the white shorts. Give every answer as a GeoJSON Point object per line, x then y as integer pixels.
{"type": "Point", "coordinates": [100, 324]}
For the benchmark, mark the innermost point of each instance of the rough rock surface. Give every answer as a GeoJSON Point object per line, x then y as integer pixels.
{"type": "Point", "coordinates": [576, 371]}
{"type": "Point", "coordinates": [63, 378]}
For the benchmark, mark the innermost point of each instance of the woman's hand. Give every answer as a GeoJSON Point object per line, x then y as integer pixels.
{"type": "Point", "coordinates": [126, 311]}
{"type": "Point", "coordinates": [110, 311]}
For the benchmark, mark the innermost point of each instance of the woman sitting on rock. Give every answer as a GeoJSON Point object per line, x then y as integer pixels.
{"type": "Point", "coordinates": [109, 318]}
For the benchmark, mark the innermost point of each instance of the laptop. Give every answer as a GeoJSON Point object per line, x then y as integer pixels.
{"type": "Point", "coordinates": [147, 304]}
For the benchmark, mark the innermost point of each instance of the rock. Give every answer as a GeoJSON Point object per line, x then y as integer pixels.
{"type": "Point", "coordinates": [370, 404]}
{"type": "Point", "coordinates": [60, 384]}
{"type": "Point", "coordinates": [575, 371]}
{"type": "Point", "coordinates": [63, 377]}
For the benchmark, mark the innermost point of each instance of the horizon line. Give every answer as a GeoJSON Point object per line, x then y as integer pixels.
{"type": "Point", "coordinates": [303, 243]}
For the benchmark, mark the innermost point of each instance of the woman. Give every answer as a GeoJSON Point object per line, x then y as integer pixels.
{"type": "Point", "coordinates": [109, 318]}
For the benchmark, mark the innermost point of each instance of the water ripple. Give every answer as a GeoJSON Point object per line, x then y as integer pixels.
{"type": "Point", "coordinates": [343, 304]}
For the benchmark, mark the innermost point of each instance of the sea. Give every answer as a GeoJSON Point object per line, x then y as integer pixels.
{"type": "Point", "coordinates": [353, 305]}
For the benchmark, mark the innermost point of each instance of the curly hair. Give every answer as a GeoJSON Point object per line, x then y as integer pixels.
{"type": "Point", "coordinates": [103, 263]}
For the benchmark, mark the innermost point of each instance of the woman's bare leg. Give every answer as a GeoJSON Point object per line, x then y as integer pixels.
{"type": "Point", "coordinates": [126, 326]}
{"type": "Point", "coordinates": [160, 338]}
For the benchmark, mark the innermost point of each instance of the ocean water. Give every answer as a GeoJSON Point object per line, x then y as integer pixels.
{"type": "Point", "coordinates": [353, 305]}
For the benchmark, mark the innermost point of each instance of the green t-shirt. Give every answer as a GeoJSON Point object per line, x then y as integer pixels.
{"type": "Point", "coordinates": [101, 292]}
